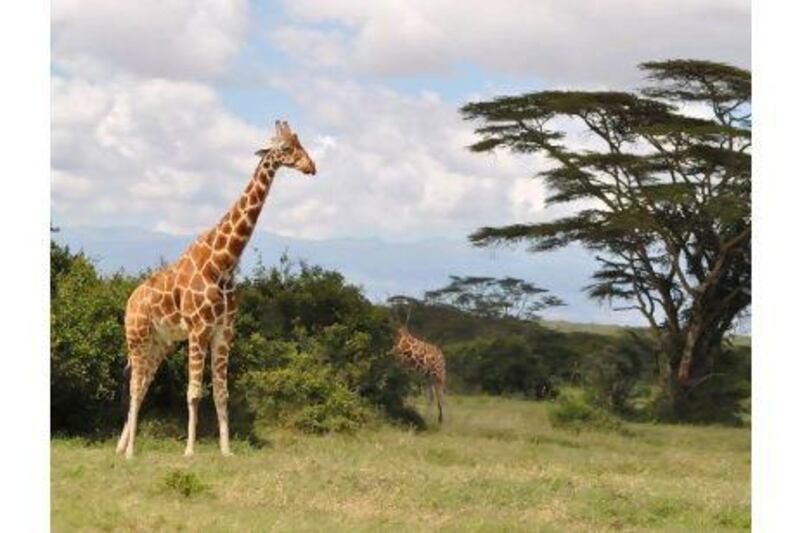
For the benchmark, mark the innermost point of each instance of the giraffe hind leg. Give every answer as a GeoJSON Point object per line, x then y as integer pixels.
{"type": "Point", "coordinates": [428, 398]}
{"type": "Point", "coordinates": [439, 389]}
{"type": "Point", "coordinates": [144, 363]}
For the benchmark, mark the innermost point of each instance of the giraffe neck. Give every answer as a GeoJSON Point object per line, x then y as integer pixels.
{"type": "Point", "coordinates": [237, 225]}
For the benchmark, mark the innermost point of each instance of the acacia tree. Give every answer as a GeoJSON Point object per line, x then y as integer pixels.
{"type": "Point", "coordinates": [494, 297]}
{"type": "Point", "coordinates": [661, 194]}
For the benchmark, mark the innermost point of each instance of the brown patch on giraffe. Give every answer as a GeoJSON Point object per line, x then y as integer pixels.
{"type": "Point", "coordinates": [242, 229]}
{"type": "Point", "coordinates": [223, 259]}
{"type": "Point", "coordinates": [206, 312]}
{"type": "Point", "coordinates": [197, 284]}
{"type": "Point", "coordinates": [211, 271]}
{"type": "Point", "coordinates": [176, 297]}
{"type": "Point", "coordinates": [213, 294]}
{"type": "Point", "coordinates": [252, 215]}
{"type": "Point", "coordinates": [168, 306]}
{"type": "Point", "coordinates": [182, 280]}
{"type": "Point", "coordinates": [227, 227]}
{"type": "Point", "coordinates": [197, 299]}
{"type": "Point", "coordinates": [221, 242]}
{"type": "Point", "coordinates": [236, 245]}
{"type": "Point", "coordinates": [201, 254]}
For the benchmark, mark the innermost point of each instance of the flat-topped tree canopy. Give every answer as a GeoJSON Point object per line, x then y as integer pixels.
{"type": "Point", "coordinates": [659, 181]}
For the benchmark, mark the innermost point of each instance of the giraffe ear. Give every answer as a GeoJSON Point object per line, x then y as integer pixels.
{"type": "Point", "coordinates": [262, 152]}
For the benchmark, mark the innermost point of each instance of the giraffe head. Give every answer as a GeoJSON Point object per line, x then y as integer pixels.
{"type": "Point", "coordinates": [285, 147]}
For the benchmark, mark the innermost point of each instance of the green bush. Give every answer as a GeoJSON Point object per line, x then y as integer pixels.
{"type": "Point", "coordinates": [302, 334]}
{"type": "Point", "coordinates": [325, 318]}
{"type": "Point", "coordinates": [503, 365]}
{"type": "Point", "coordinates": [186, 484]}
{"type": "Point", "coordinates": [612, 373]}
{"type": "Point", "coordinates": [574, 412]}
{"type": "Point", "coordinates": [721, 394]}
{"type": "Point", "coordinates": [303, 393]}
{"type": "Point", "coordinates": [86, 347]}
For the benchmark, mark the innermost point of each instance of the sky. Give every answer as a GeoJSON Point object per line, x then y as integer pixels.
{"type": "Point", "coordinates": [158, 105]}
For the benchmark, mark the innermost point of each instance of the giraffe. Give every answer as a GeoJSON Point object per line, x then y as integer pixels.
{"type": "Point", "coordinates": [425, 359]}
{"type": "Point", "coordinates": [194, 299]}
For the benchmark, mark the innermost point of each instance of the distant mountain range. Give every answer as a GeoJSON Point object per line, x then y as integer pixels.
{"type": "Point", "coordinates": [382, 268]}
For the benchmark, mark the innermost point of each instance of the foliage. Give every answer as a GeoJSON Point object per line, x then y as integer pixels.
{"type": "Point", "coordinates": [612, 373]}
{"type": "Point", "coordinates": [327, 318]}
{"type": "Point", "coordinates": [574, 412]}
{"type": "Point", "coordinates": [489, 297]}
{"type": "Point", "coordinates": [665, 199]}
{"type": "Point", "coordinates": [184, 483]}
{"type": "Point", "coordinates": [86, 345]}
{"type": "Point", "coordinates": [504, 365]}
{"type": "Point", "coordinates": [302, 392]}
{"type": "Point", "coordinates": [303, 335]}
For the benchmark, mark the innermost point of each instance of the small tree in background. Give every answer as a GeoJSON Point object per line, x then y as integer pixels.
{"type": "Point", "coordinates": [494, 298]}
{"type": "Point", "coordinates": [662, 195]}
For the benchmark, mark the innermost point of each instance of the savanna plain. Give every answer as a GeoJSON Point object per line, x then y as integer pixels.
{"type": "Point", "coordinates": [496, 464]}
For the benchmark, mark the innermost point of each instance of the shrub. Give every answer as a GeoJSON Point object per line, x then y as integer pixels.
{"type": "Point", "coordinates": [184, 483]}
{"type": "Point", "coordinates": [86, 348]}
{"type": "Point", "coordinates": [574, 412]}
{"type": "Point", "coordinates": [302, 334]}
{"type": "Point", "coordinates": [303, 393]}
{"type": "Point", "coordinates": [612, 373]}
{"type": "Point", "coordinates": [504, 365]}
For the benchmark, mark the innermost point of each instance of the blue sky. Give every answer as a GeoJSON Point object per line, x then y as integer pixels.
{"type": "Point", "coordinates": [158, 107]}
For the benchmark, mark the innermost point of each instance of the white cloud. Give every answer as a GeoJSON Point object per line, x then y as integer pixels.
{"type": "Point", "coordinates": [136, 142]}
{"type": "Point", "coordinates": [170, 39]}
{"type": "Point", "coordinates": [581, 41]}
{"type": "Point", "coordinates": [167, 155]}
{"type": "Point", "coordinates": [150, 152]}
{"type": "Point", "coordinates": [391, 165]}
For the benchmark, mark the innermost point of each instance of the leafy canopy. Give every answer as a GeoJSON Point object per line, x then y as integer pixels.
{"type": "Point", "coordinates": [658, 183]}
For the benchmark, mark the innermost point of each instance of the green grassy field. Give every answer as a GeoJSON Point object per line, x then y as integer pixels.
{"type": "Point", "coordinates": [497, 464]}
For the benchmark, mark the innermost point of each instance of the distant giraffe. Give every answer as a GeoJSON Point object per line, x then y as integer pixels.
{"type": "Point", "coordinates": [194, 298]}
{"type": "Point", "coordinates": [425, 359]}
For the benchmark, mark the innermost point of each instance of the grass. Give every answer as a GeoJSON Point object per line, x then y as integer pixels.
{"type": "Point", "coordinates": [496, 464]}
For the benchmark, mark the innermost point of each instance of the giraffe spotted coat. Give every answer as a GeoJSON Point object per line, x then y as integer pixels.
{"type": "Point", "coordinates": [194, 299]}
{"type": "Point", "coordinates": [426, 360]}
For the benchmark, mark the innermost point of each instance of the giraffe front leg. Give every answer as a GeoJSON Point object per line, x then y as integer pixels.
{"type": "Point", "coordinates": [198, 343]}
{"type": "Point", "coordinates": [220, 350]}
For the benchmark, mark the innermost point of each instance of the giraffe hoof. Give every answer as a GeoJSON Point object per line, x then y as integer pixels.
{"type": "Point", "coordinates": [188, 453]}
{"type": "Point", "coordinates": [228, 453]}
{"type": "Point", "coordinates": [128, 454]}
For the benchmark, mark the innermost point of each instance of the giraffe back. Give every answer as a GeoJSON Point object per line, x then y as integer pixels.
{"type": "Point", "coordinates": [420, 356]}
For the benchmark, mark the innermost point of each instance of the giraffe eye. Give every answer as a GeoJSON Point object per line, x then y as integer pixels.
{"type": "Point", "coordinates": [286, 149]}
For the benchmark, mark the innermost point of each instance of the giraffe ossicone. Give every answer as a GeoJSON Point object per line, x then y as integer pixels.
{"type": "Point", "coordinates": [194, 298]}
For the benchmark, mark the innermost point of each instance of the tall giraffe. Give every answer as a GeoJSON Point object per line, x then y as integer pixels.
{"type": "Point", "coordinates": [425, 359]}
{"type": "Point", "coordinates": [194, 298]}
